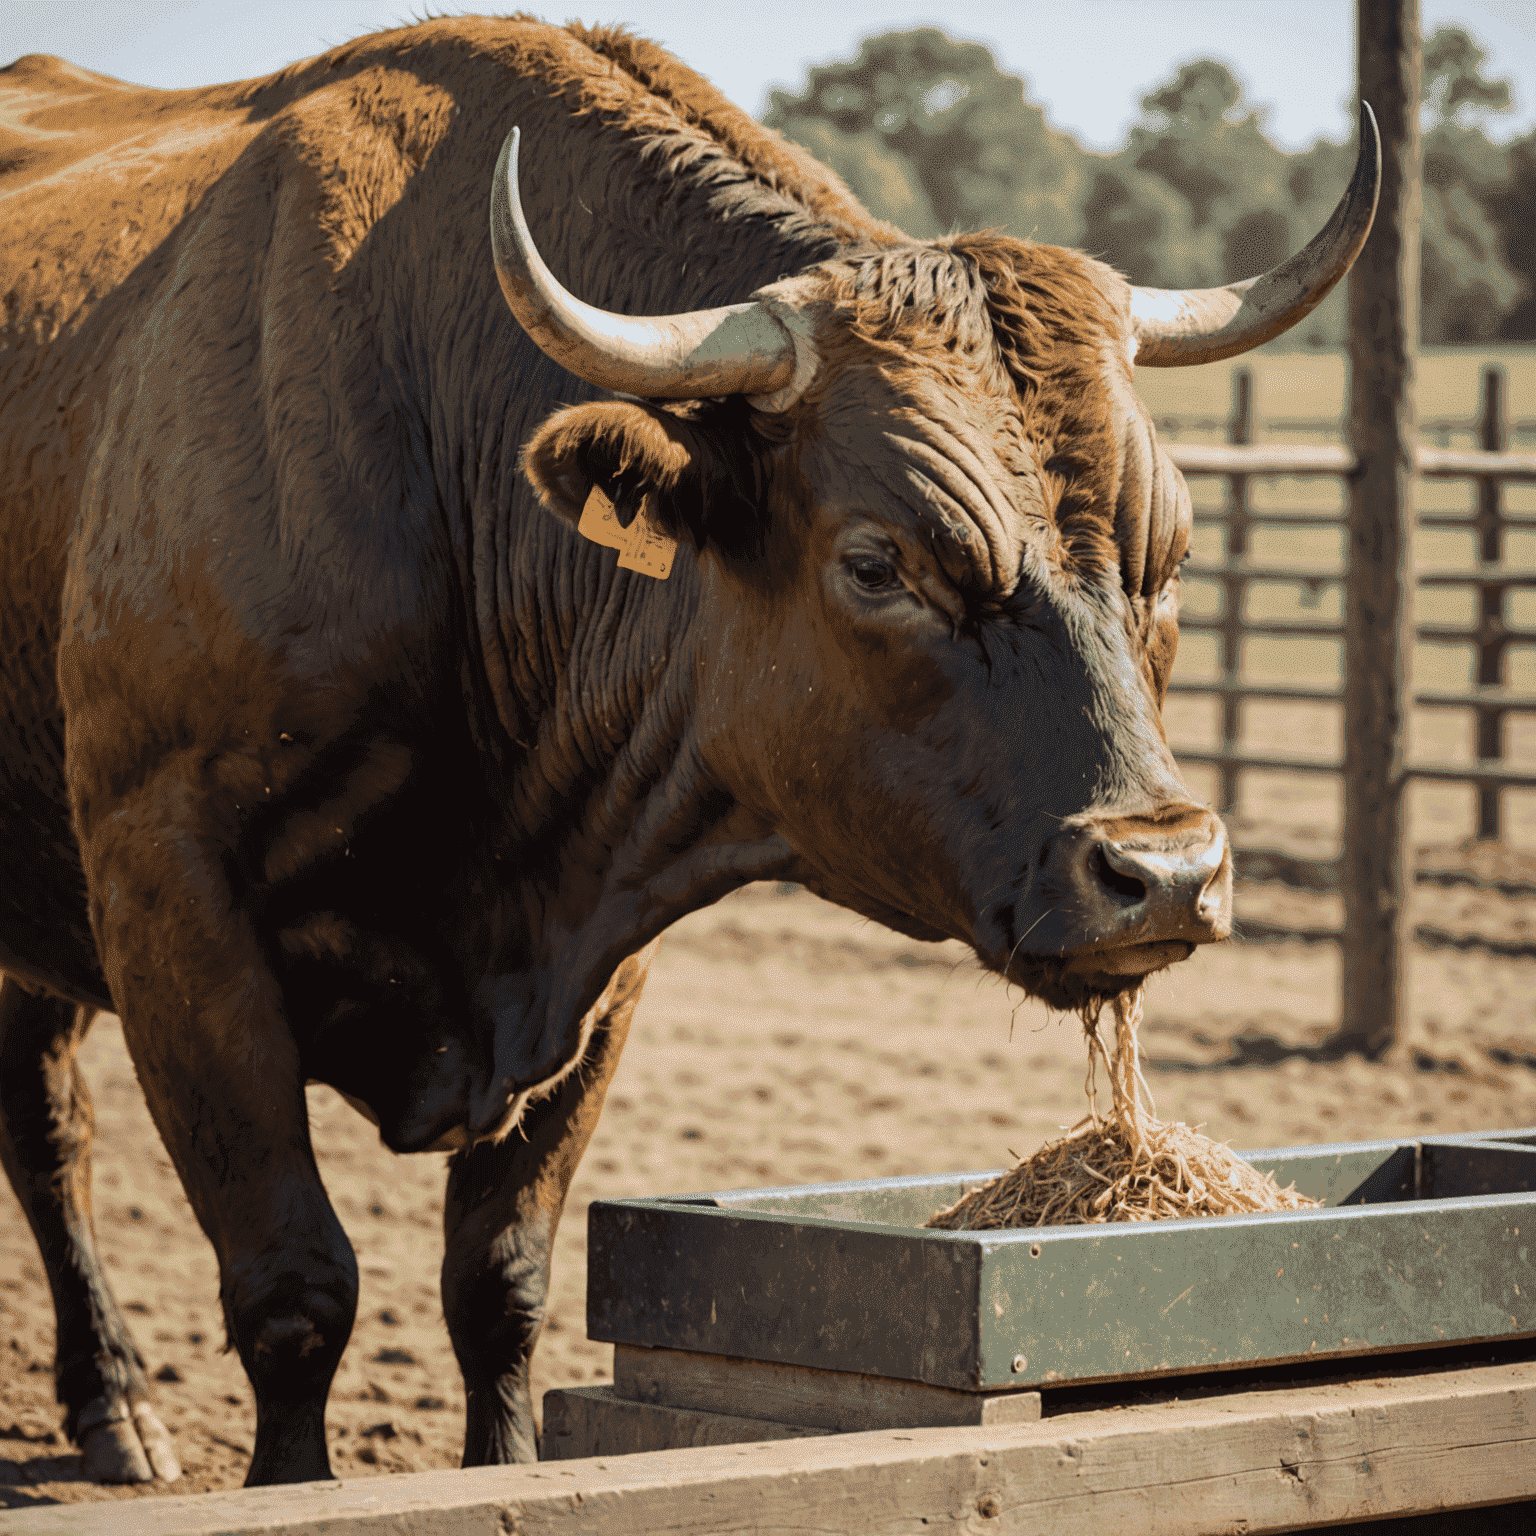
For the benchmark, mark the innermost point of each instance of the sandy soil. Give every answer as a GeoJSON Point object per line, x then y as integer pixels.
{"type": "Point", "coordinates": [780, 1041]}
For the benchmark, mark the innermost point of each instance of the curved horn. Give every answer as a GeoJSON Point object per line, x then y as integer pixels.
{"type": "Point", "coordinates": [740, 349]}
{"type": "Point", "coordinates": [1175, 326]}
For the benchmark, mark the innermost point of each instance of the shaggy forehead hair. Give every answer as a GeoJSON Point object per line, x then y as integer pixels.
{"type": "Point", "coordinates": [1039, 334]}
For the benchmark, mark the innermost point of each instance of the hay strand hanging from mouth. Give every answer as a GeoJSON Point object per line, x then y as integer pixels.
{"type": "Point", "coordinates": [1125, 1166]}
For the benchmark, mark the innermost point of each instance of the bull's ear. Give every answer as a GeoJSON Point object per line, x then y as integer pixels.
{"type": "Point", "coordinates": [636, 454]}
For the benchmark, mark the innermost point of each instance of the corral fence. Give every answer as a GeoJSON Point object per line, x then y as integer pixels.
{"type": "Point", "coordinates": [1436, 431]}
{"type": "Point", "coordinates": [1493, 631]}
{"type": "Point", "coordinates": [1490, 700]}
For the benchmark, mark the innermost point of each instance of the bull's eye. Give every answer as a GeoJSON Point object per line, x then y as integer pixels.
{"type": "Point", "coordinates": [872, 574]}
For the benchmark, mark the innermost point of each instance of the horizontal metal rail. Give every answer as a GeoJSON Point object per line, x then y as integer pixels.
{"type": "Point", "coordinates": [1473, 521]}
{"type": "Point", "coordinates": [1490, 771]}
{"type": "Point", "coordinates": [1442, 634]}
{"type": "Point", "coordinates": [1336, 460]}
{"type": "Point", "coordinates": [1497, 577]}
{"type": "Point", "coordinates": [1437, 426]}
{"type": "Point", "coordinates": [1301, 693]}
{"type": "Point", "coordinates": [1426, 935]}
{"type": "Point", "coordinates": [1477, 634]}
{"type": "Point", "coordinates": [1279, 517]}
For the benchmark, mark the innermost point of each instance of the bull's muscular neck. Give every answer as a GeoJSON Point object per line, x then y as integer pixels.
{"type": "Point", "coordinates": [581, 678]}
{"type": "Point", "coordinates": [613, 826]}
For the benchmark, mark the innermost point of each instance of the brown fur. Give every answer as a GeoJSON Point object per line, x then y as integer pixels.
{"type": "Point", "coordinates": [1039, 331]}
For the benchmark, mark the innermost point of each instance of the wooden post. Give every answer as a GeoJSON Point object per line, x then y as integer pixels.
{"type": "Point", "coordinates": [1234, 590]}
{"type": "Point", "coordinates": [1378, 605]}
{"type": "Point", "coordinates": [1493, 438]}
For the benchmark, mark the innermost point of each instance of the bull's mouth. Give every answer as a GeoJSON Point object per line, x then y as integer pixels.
{"type": "Point", "coordinates": [1070, 981]}
{"type": "Point", "coordinates": [1133, 960]}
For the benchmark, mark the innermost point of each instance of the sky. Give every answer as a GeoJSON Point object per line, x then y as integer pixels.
{"type": "Point", "coordinates": [1087, 61]}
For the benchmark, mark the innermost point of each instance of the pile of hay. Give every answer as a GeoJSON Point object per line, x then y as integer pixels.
{"type": "Point", "coordinates": [1126, 1166]}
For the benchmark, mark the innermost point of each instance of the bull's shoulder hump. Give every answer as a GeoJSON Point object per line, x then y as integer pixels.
{"type": "Point", "coordinates": [47, 71]}
{"type": "Point", "coordinates": [70, 136]}
{"type": "Point", "coordinates": [93, 174]}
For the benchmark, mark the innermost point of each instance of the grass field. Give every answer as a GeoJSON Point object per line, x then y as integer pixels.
{"type": "Point", "coordinates": [1300, 397]}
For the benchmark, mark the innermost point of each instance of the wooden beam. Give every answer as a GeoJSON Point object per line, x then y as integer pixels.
{"type": "Point", "coordinates": [1378, 597]}
{"type": "Point", "coordinates": [583, 1423]}
{"type": "Point", "coordinates": [843, 1401]}
{"type": "Point", "coordinates": [1282, 1460]}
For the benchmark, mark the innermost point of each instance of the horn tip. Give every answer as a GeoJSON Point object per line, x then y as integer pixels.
{"type": "Point", "coordinates": [1368, 163]}
{"type": "Point", "coordinates": [1370, 134]}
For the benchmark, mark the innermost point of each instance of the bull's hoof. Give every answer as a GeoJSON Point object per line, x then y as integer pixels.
{"type": "Point", "coordinates": [119, 1445]}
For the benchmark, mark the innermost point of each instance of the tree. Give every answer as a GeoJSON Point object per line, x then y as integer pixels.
{"type": "Point", "coordinates": [1144, 228]}
{"type": "Point", "coordinates": [920, 110]}
{"type": "Point", "coordinates": [933, 136]}
{"type": "Point", "coordinates": [1197, 135]}
{"type": "Point", "coordinates": [1512, 207]}
{"type": "Point", "coordinates": [882, 178]}
{"type": "Point", "coordinates": [1476, 251]}
{"type": "Point", "coordinates": [1203, 141]}
{"type": "Point", "coordinates": [1455, 89]}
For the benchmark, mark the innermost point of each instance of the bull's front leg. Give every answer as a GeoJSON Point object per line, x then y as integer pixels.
{"type": "Point", "coordinates": [503, 1205]}
{"type": "Point", "coordinates": [204, 1021]}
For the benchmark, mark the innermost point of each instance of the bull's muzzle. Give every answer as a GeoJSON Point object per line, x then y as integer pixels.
{"type": "Point", "coordinates": [1140, 892]}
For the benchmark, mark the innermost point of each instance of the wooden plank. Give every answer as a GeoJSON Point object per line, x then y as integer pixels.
{"type": "Point", "coordinates": [843, 1401]}
{"type": "Point", "coordinates": [1378, 597]}
{"type": "Point", "coordinates": [1262, 459]}
{"type": "Point", "coordinates": [1282, 1460]}
{"type": "Point", "coordinates": [592, 1421]}
{"type": "Point", "coordinates": [1476, 463]}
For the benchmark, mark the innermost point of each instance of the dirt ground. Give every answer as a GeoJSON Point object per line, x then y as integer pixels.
{"type": "Point", "coordinates": [780, 1041]}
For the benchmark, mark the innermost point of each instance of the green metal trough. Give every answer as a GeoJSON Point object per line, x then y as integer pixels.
{"type": "Point", "coordinates": [1418, 1243]}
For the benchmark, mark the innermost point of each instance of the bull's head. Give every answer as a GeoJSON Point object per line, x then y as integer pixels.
{"type": "Point", "coordinates": [938, 554]}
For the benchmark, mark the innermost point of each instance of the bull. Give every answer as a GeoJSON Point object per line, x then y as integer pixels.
{"type": "Point", "coordinates": [331, 751]}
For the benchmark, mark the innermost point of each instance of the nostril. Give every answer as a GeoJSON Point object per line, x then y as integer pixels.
{"type": "Point", "coordinates": [1116, 880]}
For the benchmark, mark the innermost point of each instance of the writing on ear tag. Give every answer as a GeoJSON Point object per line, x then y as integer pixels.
{"type": "Point", "coordinates": [650, 550]}
{"type": "Point", "coordinates": [600, 525]}
{"type": "Point", "coordinates": [642, 546]}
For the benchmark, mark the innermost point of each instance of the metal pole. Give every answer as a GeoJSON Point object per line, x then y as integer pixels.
{"type": "Point", "coordinates": [1234, 589]}
{"type": "Point", "coordinates": [1494, 438]}
{"type": "Point", "coordinates": [1378, 605]}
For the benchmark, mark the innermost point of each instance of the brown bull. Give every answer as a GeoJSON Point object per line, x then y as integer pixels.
{"type": "Point", "coordinates": [327, 754]}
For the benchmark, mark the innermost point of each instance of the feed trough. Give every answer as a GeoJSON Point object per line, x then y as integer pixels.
{"type": "Point", "coordinates": [1417, 1244]}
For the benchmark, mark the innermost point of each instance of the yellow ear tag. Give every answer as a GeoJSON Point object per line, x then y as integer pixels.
{"type": "Point", "coordinates": [642, 547]}
{"type": "Point", "coordinates": [600, 525]}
